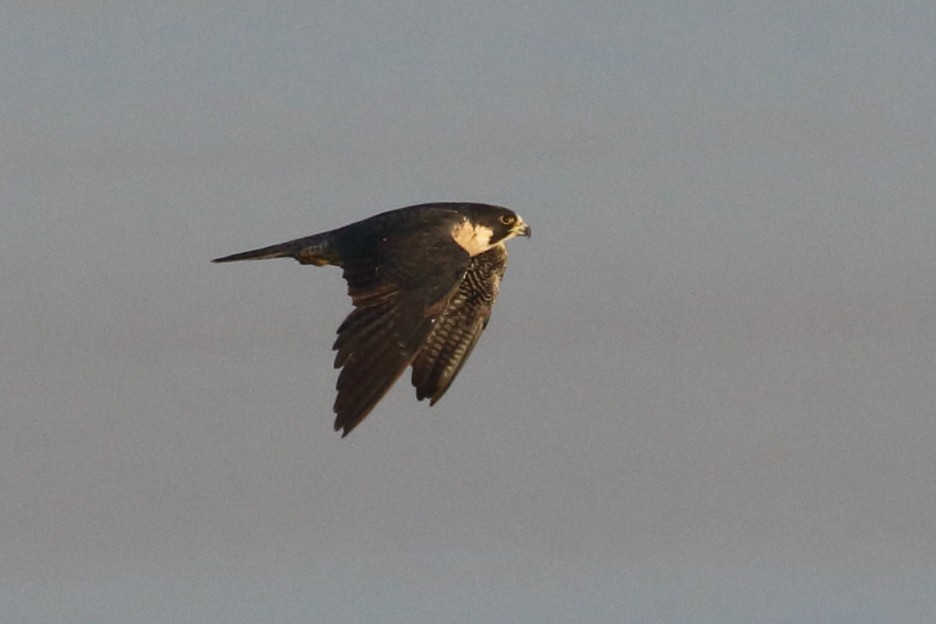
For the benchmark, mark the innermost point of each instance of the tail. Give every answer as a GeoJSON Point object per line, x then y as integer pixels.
{"type": "Point", "coordinates": [309, 250]}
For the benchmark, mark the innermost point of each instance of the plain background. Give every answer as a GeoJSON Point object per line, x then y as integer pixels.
{"type": "Point", "coordinates": [707, 391]}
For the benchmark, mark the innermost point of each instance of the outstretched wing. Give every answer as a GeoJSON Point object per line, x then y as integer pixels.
{"type": "Point", "coordinates": [456, 332]}
{"type": "Point", "coordinates": [398, 286]}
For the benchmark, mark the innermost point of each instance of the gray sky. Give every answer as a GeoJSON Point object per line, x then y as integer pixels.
{"type": "Point", "coordinates": [706, 395]}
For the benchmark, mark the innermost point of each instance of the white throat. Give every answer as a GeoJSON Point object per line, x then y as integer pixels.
{"type": "Point", "coordinates": [475, 239]}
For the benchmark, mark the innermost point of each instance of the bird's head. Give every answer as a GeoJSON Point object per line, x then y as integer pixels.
{"type": "Point", "coordinates": [504, 223]}
{"type": "Point", "coordinates": [486, 226]}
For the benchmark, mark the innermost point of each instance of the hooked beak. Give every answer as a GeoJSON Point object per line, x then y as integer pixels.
{"type": "Point", "coordinates": [521, 228]}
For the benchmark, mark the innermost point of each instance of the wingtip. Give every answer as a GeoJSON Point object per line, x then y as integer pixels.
{"type": "Point", "coordinates": [344, 430]}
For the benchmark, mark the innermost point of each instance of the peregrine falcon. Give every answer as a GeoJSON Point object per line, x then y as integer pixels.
{"type": "Point", "coordinates": [423, 280]}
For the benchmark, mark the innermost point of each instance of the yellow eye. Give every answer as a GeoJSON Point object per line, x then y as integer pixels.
{"type": "Point", "coordinates": [507, 220]}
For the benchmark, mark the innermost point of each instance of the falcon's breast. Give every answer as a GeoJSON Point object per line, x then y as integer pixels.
{"type": "Point", "coordinates": [456, 331]}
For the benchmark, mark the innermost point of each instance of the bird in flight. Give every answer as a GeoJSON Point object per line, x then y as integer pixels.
{"type": "Point", "coordinates": [423, 280]}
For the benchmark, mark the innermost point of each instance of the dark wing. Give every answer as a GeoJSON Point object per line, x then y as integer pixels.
{"type": "Point", "coordinates": [398, 286]}
{"type": "Point", "coordinates": [456, 331]}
